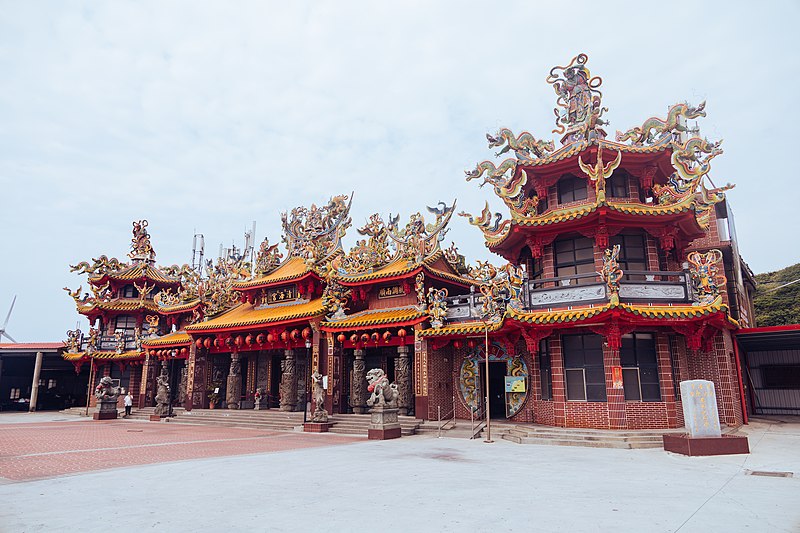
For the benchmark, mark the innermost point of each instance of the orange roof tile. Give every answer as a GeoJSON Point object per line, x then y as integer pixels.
{"type": "Point", "coordinates": [377, 317]}
{"type": "Point", "coordinates": [292, 268]}
{"type": "Point", "coordinates": [172, 339]}
{"type": "Point", "coordinates": [133, 354]}
{"type": "Point", "coordinates": [246, 315]}
{"type": "Point", "coordinates": [462, 328]}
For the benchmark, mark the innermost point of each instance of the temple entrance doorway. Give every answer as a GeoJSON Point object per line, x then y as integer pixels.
{"type": "Point", "coordinates": [497, 400]}
{"type": "Point", "coordinates": [508, 381]}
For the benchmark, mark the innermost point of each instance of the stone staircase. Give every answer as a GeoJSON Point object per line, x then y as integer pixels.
{"type": "Point", "coordinates": [595, 438]}
{"type": "Point", "coordinates": [268, 419]}
{"type": "Point", "coordinates": [352, 424]}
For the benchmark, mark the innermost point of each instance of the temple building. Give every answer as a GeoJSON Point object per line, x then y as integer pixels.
{"type": "Point", "coordinates": [622, 278]}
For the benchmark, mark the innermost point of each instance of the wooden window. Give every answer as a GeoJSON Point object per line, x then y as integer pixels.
{"type": "Point", "coordinates": [632, 253]}
{"type": "Point", "coordinates": [583, 367]}
{"type": "Point", "coordinates": [571, 189]}
{"type": "Point", "coordinates": [617, 185]}
{"type": "Point", "coordinates": [574, 256]}
{"type": "Point", "coordinates": [639, 361]}
{"type": "Point", "coordinates": [128, 291]}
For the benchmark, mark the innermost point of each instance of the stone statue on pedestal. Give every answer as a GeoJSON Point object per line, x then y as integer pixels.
{"type": "Point", "coordinates": [320, 414]}
{"type": "Point", "coordinates": [383, 393]}
{"type": "Point", "coordinates": [106, 394]}
{"type": "Point", "coordinates": [162, 392]}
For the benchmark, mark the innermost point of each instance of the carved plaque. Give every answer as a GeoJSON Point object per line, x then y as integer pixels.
{"type": "Point", "coordinates": [563, 295]}
{"type": "Point", "coordinates": [653, 291]}
{"type": "Point", "coordinates": [391, 291]}
{"type": "Point", "coordinates": [283, 294]}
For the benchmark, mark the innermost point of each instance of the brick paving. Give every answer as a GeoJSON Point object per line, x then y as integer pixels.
{"type": "Point", "coordinates": [51, 449]}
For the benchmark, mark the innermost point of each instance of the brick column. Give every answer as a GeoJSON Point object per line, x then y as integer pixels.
{"type": "Point", "coordinates": [146, 392]}
{"type": "Point", "coordinates": [665, 380]}
{"type": "Point", "coordinates": [420, 376]}
{"type": "Point", "coordinates": [729, 403]}
{"type": "Point", "coordinates": [615, 398]}
{"type": "Point", "coordinates": [559, 390]}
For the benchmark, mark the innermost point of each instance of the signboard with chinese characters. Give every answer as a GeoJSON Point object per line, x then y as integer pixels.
{"type": "Point", "coordinates": [616, 377]}
{"type": "Point", "coordinates": [283, 294]}
{"type": "Point", "coordinates": [391, 291]}
{"type": "Point", "coordinates": [700, 408]}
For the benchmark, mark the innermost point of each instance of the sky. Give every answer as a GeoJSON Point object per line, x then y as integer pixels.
{"type": "Point", "coordinates": [203, 117]}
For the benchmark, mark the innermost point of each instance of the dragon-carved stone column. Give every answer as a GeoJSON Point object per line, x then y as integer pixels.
{"type": "Point", "coordinates": [234, 382]}
{"type": "Point", "coordinates": [402, 374]}
{"type": "Point", "coordinates": [288, 383]}
{"type": "Point", "coordinates": [358, 394]}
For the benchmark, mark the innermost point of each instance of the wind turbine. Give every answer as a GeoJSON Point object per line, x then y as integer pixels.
{"type": "Point", "coordinates": [3, 329]}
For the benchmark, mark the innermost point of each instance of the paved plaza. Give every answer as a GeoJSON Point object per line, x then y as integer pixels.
{"type": "Point", "coordinates": [59, 473]}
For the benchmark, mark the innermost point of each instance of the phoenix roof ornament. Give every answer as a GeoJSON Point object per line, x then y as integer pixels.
{"type": "Point", "coordinates": [419, 240]}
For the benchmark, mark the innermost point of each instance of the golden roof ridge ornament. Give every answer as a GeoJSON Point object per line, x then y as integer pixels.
{"type": "Point", "coordinates": [315, 233]}
{"type": "Point", "coordinates": [141, 249]}
{"type": "Point", "coordinates": [418, 240]}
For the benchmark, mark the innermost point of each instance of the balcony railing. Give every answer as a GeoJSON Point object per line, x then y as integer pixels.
{"type": "Point", "coordinates": [107, 343]}
{"type": "Point", "coordinates": [583, 289]}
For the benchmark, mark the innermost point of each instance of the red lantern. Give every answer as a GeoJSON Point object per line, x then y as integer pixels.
{"type": "Point", "coordinates": [183, 352]}
{"type": "Point", "coordinates": [249, 340]}
{"type": "Point", "coordinates": [239, 340]}
{"type": "Point", "coordinates": [295, 334]}
{"type": "Point", "coordinates": [364, 338]}
{"type": "Point", "coordinates": [306, 333]}
{"type": "Point", "coordinates": [401, 333]}
{"type": "Point", "coordinates": [270, 338]}
{"type": "Point", "coordinates": [354, 338]}
{"type": "Point", "coordinates": [217, 342]}
{"type": "Point", "coordinates": [341, 338]}
{"type": "Point", "coordinates": [198, 343]}
{"type": "Point", "coordinates": [387, 335]}
{"type": "Point", "coordinates": [285, 336]}
{"type": "Point", "coordinates": [457, 344]}
{"type": "Point", "coordinates": [207, 342]}
{"type": "Point", "coordinates": [471, 343]}
{"type": "Point", "coordinates": [375, 337]}
{"type": "Point", "coordinates": [260, 338]}
{"type": "Point", "coordinates": [229, 341]}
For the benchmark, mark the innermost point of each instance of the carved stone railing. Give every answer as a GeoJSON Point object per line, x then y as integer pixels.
{"type": "Point", "coordinates": [583, 289]}
{"type": "Point", "coordinates": [107, 343]}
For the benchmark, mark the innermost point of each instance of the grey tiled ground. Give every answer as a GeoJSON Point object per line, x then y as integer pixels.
{"type": "Point", "coordinates": [428, 484]}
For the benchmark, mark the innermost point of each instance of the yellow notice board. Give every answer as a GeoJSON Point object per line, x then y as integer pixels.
{"type": "Point", "coordinates": [515, 383]}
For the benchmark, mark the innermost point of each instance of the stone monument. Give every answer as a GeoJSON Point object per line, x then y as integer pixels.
{"type": "Point", "coordinates": [701, 417]}
{"type": "Point", "coordinates": [106, 394]}
{"type": "Point", "coordinates": [384, 423]}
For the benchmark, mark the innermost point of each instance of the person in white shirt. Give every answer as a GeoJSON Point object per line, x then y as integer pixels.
{"type": "Point", "coordinates": [128, 403]}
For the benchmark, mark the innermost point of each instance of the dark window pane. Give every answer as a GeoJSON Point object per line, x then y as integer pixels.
{"type": "Point", "coordinates": [575, 385]}
{"type": "Point", "coordinates": [596, 393]}
{"type": "Point", "coordinates": [648, 374]}
{"type": "Point", "coordinates": [627, 355]}
{"type": "Point", "coordinates": [565, 258]}
{"type": "Point", "coordinates": [630, 383]}
{"type": "Point", "coordinates": [595, 374]}
{"type": "Point", "coordinates": [580, 192]}
{"type": "Point", "coordinates": [584, 254]}
{"type": "Point", "coordinates": [573, 359]}
{"type": "Point", "coordinates": [781, 376]}
{"type": "Point", "coordinates": [651, 393]}
{"type": "Point", "coordinates": [564, 246]}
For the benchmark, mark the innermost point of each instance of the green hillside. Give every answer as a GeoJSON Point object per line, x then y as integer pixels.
{"type": "Point", "coordinates": [782, 306]}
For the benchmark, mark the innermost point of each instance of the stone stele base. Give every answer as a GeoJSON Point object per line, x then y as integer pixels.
{"type": "Point", "coordinates": [106, 410]}
{"type": "Point", "coordinates": [694, 447]}
{"type": "Point", "coordinates": [316, 427]}
{"type": "Point", "coordinates": [383, 423]}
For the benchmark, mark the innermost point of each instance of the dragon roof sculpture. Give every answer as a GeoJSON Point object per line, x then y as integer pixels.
{"type": "Point", "coordinates": [418, 240]}
{"type": "Point", "coordinates": [369, 254]}
{"type": "Point", "coordinates": [315, 233]}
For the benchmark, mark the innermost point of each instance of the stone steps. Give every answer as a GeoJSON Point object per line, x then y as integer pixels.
{"type": "Point", "coordinates": [353, 424]}
{"type": "Point", "coordinates": [595, 438]}
{"type": "Point", "coordinates": [270, 419]}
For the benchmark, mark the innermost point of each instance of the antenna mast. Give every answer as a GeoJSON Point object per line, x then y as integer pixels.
{"type": "Point", "coordinates": [198, 249]}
